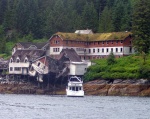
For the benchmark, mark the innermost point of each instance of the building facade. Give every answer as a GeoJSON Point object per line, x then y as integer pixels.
{"type": "Point", "coordinates": [21, 60]}
{"type": "Point", "coordinates": [92, 46]}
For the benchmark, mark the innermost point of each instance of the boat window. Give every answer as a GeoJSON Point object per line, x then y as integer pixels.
{"type": "Point", "coordinates": [69, 88]}
{"type": "Point", "coordinates": [79, 88]}
{"type": "Point", "coordinates": [73, 88]}
{"type": "Point", "coordinates": [76, 88]}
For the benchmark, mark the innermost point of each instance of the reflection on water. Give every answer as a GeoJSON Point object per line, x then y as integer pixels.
{"type": "Point", "coordinates": [88, 107]}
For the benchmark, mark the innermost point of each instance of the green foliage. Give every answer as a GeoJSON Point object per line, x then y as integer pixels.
{"type": "Point", "coordinates": [130, 67]}
{"type": "Point", "coordinates": [105, 24]}
{"type": "Point", "coordinates": [144, 71]}
{"type": "Point", "coordinates": [42, 18]}
{"type": "Point", "coordinates": [141, 26]}
{"type": "Point", "coordinates": [111, 59]}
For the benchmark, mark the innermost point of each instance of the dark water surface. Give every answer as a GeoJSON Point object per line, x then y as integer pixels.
{"type": "Point", "coordinates": [62, 107]}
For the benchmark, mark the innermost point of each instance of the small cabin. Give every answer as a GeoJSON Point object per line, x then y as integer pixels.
{"type": "Point", "coordinates": [77, 68]}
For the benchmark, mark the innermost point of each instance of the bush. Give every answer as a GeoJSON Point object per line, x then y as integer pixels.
{"type": "Point", "coordinates": [144, 71]}
{"type": "Point", "coordinates": [111, 59]}
{"type": "Point", "coordinates": [130, 67]}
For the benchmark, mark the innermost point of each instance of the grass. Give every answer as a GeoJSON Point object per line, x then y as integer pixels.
{"type": "Point", "coordinates": [130, 67]}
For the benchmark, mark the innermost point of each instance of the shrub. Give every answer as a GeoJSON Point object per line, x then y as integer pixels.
{"type": "Point", "coordinates": [111, 59]}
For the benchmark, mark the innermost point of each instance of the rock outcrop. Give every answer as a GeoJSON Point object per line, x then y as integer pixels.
{"type": "Point", "coordinates": [118, 88]}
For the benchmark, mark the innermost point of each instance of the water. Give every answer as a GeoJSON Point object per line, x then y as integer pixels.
{"type": "Point", "coordinates": [62, 107]}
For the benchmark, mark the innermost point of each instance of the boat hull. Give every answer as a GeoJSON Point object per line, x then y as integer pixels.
{"type": "Point", "coordinates": [75, 93]}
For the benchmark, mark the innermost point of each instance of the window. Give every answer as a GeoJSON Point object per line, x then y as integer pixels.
{"type": "Point", "coordinates": [17, 69]}
{"type": "Point", "coordinates": [17, 60]}
{"type": "Point", "coordinates": [11, 68]}
{"type": "Point", "coordinates": [130, 42]}
{"type": "Point", "coordinates": [102, 50]}
{"type": "Point", "coordinates": [89, 50]}
{"type": "Point", "coordinates": [121, 41]}
{"type": "Point", "coordinates": [57, 42]}
{"type": "Point", "coordinates": [97, 50]}
{"type": "Point", "coordinates": [39, 64]}
{"type": "Point", "coordinates": [120, 49]}
{"type": "Point", "coordinates": [111, 49]}
{"type": "Point", "coordinates": [116, 49]}
{"type": "Point", "coordinates": [11, 60]}
{"type": "Point", "coordinates": [25, 60]}
{"type": "Point", "coordinates": [53, 49]}
{"type": "Point", "coordinates": [107, 50]}
{"type": "Point", "coordinates": [130, 50]}
{"type": "Point", "coordinates": [93, 50]}
{"type": "Point", "coordinates": [56, 49]}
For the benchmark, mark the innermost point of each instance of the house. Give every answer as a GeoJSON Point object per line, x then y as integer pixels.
{"type": "Point", "coordinates": [21, 60]}
{"type": "Point", "coordinates": [68, 63]}
{"type": "Point", "coordinates": [92, 46]}
{"type": "Point", "coordinates": [71, 64]}
{"type": "Point", "coordinates": [29, 46]}
{"type": "Point", "coordinates": [43, 65]}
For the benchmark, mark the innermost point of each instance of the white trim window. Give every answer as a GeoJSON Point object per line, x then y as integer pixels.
{"type": "Point", "coordinates": [121, 50]}
{"type": "Point", "coordinates": [17, 60]}
{"type": "Point", "coordinates": [11, 60]}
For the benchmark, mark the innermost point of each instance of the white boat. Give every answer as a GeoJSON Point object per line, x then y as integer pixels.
{"type": "Point", "coordinates": [75, 87]}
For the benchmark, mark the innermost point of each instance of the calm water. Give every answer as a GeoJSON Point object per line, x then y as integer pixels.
{"type": "Point", "coordinates": [61, 107]}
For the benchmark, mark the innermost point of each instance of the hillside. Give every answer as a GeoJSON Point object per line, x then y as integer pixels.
{"type": "Point", "coordinates": [130, 67]}
{"type": "Point", "coordinates": [28, 20]}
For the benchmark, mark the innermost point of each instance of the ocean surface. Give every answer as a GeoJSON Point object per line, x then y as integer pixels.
{"type": "Point", "coordinates": [62, 107]}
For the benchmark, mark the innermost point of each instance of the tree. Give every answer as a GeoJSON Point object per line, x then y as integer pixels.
{"type": "Point", "coordinates": [3, 8]}
{"type": "Point", "coordinates": [111, 59]}
{"type": "Point", "coordinates": [141, 26]}
{"type": "Point", "coordinates": [89, 17]}
{"type": "Point", "coordinates": [105, 24]}
{"type": "Point", "coordinates": [2, 40]}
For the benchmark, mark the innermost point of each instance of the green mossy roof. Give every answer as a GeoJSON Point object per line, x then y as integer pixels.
{"type": "Point", "coordinates": [94, 37]}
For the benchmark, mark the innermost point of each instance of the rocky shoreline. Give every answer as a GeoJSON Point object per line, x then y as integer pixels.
{"type": "Point", "coordinates": [117, 87]}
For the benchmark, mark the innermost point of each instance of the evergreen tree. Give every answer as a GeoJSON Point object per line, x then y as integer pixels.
{"type": "Point", "coordinates": [89, 17]}
{"type": "Point", "coordinates": [141, 26]}
{"type": "Point", "coordinates": [2, 40]}
{"type": "Point", "coordinates": [3, 8]}
{"type": "Point", "coordinates": [118, 12]}
{"type": "Point", "coordinates": [8, 22]}
{"type": "Point", "coordinates": [105, 24]}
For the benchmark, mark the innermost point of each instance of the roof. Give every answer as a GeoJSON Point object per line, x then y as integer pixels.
{"type": "Point", "coordinates": [3, 64]}
{"type": "Point", "coordinates": [88, 31]}
{"type": "Point", "coordinates": [30, 54]}
{"type": "Point", "coordinates": [71, 55]}
{"type": "Point", "coordinates": [28, 44]}
{"type": "Point", "coordinates": [94, 37]}
{"type": "Point", "coordinates": [50, 62]}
